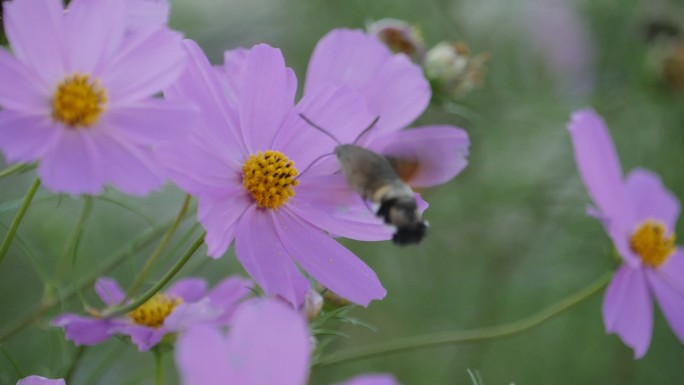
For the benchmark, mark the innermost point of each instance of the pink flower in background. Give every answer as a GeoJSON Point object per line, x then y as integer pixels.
{"type": "Point", "coordinates": [640, 215]}
{"type": "Point", "coordinates": [144, 13]}
{"type": "Point", "coordinates": [558, 32]}
{"type": "Point", "coordinates": [184, 304]}
{"type": "Point", "coordinates": [246, 165]}
{"type": "Point", "coordinates": [268, 343]}
{"type": "Point", "coordinates": [397, 91]}
{"type": "Point", "coordinates": [78, 95]}
{"type": "Point", "coordinates": [37, 380]}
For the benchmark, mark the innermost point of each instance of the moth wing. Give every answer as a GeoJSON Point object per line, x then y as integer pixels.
{"type": "Point", "coordinates": [425, 157]}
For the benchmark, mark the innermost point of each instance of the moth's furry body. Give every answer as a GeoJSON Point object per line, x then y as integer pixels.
{"type": "Point", "coordinates": [374, 178]}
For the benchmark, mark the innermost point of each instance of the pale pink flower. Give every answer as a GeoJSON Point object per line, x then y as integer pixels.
{"type": "Point", "coordinates": [639, 214]}
{"type": "Point", "coordinates": [78, 96]}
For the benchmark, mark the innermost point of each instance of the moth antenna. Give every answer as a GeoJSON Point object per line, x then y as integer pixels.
{"type": "Point", "coordinates": [319, 128]}
{"type": "Point", "coordinates": [365, 130]}
{"type": "Point", "coordinates": [312, 163]}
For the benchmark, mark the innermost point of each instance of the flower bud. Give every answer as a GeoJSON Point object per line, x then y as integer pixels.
{"type": "Point", "coordinates": [399, 36]}
{"type": "Point", "coordinates": [452, 70]}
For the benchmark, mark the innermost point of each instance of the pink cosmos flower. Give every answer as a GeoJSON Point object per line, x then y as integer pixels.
{"type": "Point", "coordinates": [397, 91]}
{"type": "Point", "coordinates": [37, 380]}
{"type": "Point", "coordinates": [77, 95]}
{"type": "Point", "coordinates": [639, 214]}
{"type": "Point", "coordinates": [268, 343]}
{"type": "Point", "coordinates": [249, 166]}
{"type": "Point", "coordinates": [185, 303]}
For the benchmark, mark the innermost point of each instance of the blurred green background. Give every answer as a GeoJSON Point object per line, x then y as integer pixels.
{"type": "Point", "coordinates": [508, 237]}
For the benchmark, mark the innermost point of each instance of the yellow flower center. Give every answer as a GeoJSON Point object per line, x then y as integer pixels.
{"type": "Point", "coordinates": [153, 312]}
{"type": "Point", "coordinates": [650, 241]}
{"type": "Point", "coordinates": [270, 178]}
{"type": "Point", "coordinates": [79, 101]}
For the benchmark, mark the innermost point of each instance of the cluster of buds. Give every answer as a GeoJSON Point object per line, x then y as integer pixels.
{"type": "Point", "coordinates": [452, 71]}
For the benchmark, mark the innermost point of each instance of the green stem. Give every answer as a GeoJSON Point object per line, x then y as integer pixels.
{"type": "Point", "coordinates": [48, 303]}
{"type": "Point", "coordinates": [467, 336]}
{"type": "Point", "coordinates": [69, 254]}
{"type": "Point", "coordinates": [119, 310]}
{"type": "Point", "coordinates": [158, 358]}
{"type": "Point", "coordinates": [17, 218]}
{"type": "Point", "coordinates": [69, 372]}
{"type": "Point", "coordinates": [19, 167]}
{"type": "Point", "coordinates": [158, 250]}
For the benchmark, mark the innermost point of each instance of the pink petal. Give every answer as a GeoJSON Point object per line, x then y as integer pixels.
{"type": "Point", "coordinates": [372, 379]}
{"type": "Point", "coordinates": [394, 88]}
{"type": "Point", "coordinates": [75, 165]}
{"type": "Point", "coordinates": [37, 380]}
{"type": "Point", "coordinates": [202, 356]}
{"type": "Point", "coordinates": [187, 315]}
{"type": "Point", "coordinates": [672, 272]}
{"type": "Point", "coordinates": [398, 94]}
{"type": "Point", "coordinates": [339, 110]}
{"type": "Point", "coordinates": [599, 165]}
{"type": "Point", "coordinates": [141, 13]}
{"type": "Point", "coordinates": [199, 84]}
{"type": "Point", "coordinates": [650, 199]}
{"type": "Point", "coordinates": [189, 289]}
{"type": "Point", "coordinates": [230, 291]}
{"type": "Point", "coordinates": [329, 203]}
{"type": "Point", "coordinates": [130, 168]}
{"type": "Point", "coordinates": [260, 250]}
{"type": "Point", "coordinates": [266, 96]}
{"type": "Point", "coordinates": [153, 121]}
{"type": "Point", "coordinates": [152, 60]}
{"type": "Point", "coordinates": [26, 138]}
{"type": "Point", "coordinates": [202, 169]}
{"type": "Point", "coordinates": [439, 151]}
{"type": "Point", "coordinates": [109, 291]}
{"type": "Point", "coordinates": [345, 56]}
{"type": "Point", "coordinates": [268, 344]}
{"type": "Point", "coordinates": [232, 72]}
{"type": "Point", "coordinates": [20, 90]}
{"type": "Point", "coordinates": [104, 21]}
{"type": "Point", "coordinates": [628, 311]}
{"type": "Point", "coordinates": [220, 219]}
{"type": "Point", "coordinates": [327, 261]}
{"type": "Point", "coordinates": [84, 330]}
{"type": "Point", "coordinates": [142, 336]}
{"type": "Point", "coordinates": [671, 302]}
{"type": "Point", "coordinates": [35, 32]}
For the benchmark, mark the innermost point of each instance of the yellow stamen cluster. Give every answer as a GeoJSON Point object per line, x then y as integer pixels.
{"type": "Point", "coordinates": [78, 101]}
{"type": "Point", "coordinates": [153, 312]}
{"type": "Point", "coordinates": [270, 178]}
{"type": "Point", "coordinates": [650, 241]}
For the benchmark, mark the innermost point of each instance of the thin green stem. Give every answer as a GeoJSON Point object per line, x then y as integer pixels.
{"type": "Point", "coordinates": [467, 336]}
{"type": "Point", "coordinates": [69, 254]}
{"type": "Point", "coordinates": [158, 360]}
{"type": "Point", "coordinates": [158, 250]}
{"type": "Point", "coordinates": [71, 369]}
{"type": "Point", "coordinates": [16, 168]}
{"type": "Point", "coordinates": [18, 217]}
{"type": "Point", "coordinates": [50, 302]}
{"type": "Point", "coordinates": [122, 309]}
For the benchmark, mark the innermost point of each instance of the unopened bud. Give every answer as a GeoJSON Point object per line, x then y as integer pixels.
{"type": "Point", "coordinates": [313, 303]}
{"type": "Point", "coordinates": [452, 70]}
{"type": "Point", "coordinates": [399, 36]}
